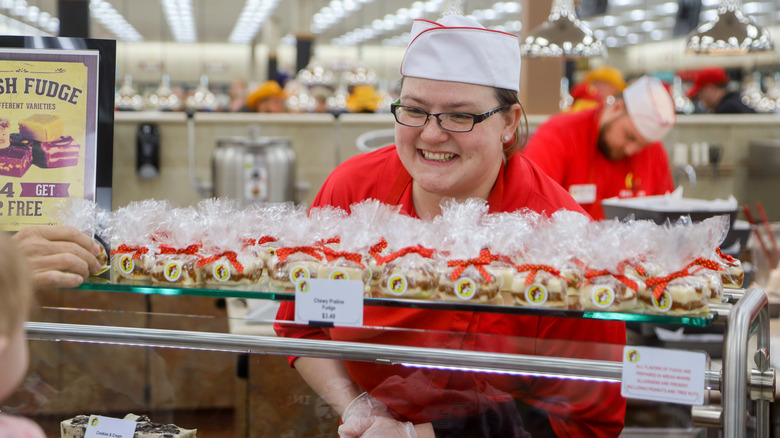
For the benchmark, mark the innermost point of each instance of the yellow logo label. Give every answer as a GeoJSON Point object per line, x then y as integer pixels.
{"type": "Point", "coordinates": [94, 421]}
{"type": "Point", "coordinates": [603, 296]}
{"type": "Point", "coordinates": [302, 286]}
{"type": "Point", "coordinates": [172, 271]}
{"type": "Point", "coordinates": [397, 284]}
{"type": "Point", "coordinates": [632, 356]}
{"type": "Point", "coordinates": [465, 289]}
{"type": "Point", "coordinates": [222, 272]}
{"type": "Point", "coordinates": [536, 294]}
{"type": "Point", "coordinates": [299, 273]}
{"type": "Point", "coordinates": [339, 275]}
{"type": "Point", "coordinates": [663, 303]}
{"type": "Point", "coordinates": [126, 263]}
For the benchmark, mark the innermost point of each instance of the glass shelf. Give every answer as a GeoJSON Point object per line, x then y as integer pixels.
{"type": "Point", "coordinates": [99, 284]}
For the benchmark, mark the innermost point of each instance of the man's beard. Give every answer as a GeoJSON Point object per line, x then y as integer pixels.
{"type": "Point", "coordinates": [601, 142]}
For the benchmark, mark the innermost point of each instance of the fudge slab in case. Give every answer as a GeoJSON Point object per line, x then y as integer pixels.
{"type": "Point", "coordinates": [76, 427]}
{"type": "Point", "coordinates": [14, 161]}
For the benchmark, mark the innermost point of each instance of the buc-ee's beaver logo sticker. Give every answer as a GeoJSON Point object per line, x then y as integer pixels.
{"type": "Point", "coordinates": [299, 273]}
{"type": "Point", "coordinates": [663, 303]}
{"type": "Point", "coordinates": [172, 271]}
{"type": "Point", "coordinates": [465, 288]}
{"type": "Point", "coordinates": [632, 356]}
{"type": "Point", "coordinates": [339, 275]}
{"type": "Point", "coordinates": [302, 286]}
{"type": "Point", "coordinates": [126, 263]}
{"type": "Point", "coordinates": [602, 296]}
{"type": "Point", "coordinates": [397, 284]}
{"type": "Point", "coordinates": [221, 272]}
{"type": "Point", "coordinates": [536, 294]}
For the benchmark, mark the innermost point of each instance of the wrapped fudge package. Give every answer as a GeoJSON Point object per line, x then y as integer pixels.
{"type": "Point", "coordinates": [134, 230]}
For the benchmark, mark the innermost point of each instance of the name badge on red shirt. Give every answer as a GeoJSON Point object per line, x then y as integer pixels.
{"type": "Point", "coordinates": [583, 193]}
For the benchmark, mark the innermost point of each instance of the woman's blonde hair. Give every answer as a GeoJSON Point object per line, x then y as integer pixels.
{"type": "Point", "coordinates": [16, 289]}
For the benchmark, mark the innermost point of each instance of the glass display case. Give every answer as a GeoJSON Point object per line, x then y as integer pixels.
{"type": "Point", "coordinates": [193, 358]}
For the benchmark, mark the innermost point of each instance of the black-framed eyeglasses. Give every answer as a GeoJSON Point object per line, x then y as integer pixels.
{"type": "Point", "coordinates": [453, 122]}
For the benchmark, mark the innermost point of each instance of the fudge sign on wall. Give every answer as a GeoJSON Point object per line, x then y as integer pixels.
{"type": "Point", "coordinates": [48, 131]}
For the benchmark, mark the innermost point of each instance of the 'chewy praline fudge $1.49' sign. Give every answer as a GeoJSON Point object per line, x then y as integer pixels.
{"type": "Point", "coordinates": [48, 131]}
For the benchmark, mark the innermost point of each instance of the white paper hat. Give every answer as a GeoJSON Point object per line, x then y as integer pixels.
{"type": "Point", "coordinates": [459, 49]}
{"type": "Point", "coordinates": [650, 107]}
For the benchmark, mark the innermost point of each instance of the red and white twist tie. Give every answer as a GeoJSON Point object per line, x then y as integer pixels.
{"type": "Point", "coordinates": [354, 257]}
{"type": "Point", "coordinates": [592, 273]}
{"type": "Point", "coordinates": [485, 257]}
{"type": "Point", "coordinates": [230, 255]}
{"type": "Point", "coordinates": [659, 283]}
{"type": "Point", "coordinates": [533, 269]}
{"type": "Point", "coordinates": [283, 253]}
{"type": "Point", "coordinates": [191, 250]}
{"type": "Point", "coordinates": [137, 251]}
{"type": "Point", "coordinates": [425, 252]}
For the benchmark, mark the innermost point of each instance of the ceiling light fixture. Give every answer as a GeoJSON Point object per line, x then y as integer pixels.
{"type": "Point", "coordinates": [562, 35]}
{"type": "Point", "coordinates": [113, 21]}
{"type": "Point", "coordinates": [730, 33]}
{"type": "Point", "coordinates": [35, 22]}
{"type": "Point", "coordinates": [180, 19]}
{"type": "Point", "coordinates": [252, 17]}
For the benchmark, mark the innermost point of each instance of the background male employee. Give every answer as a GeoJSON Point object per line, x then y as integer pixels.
{"type": "Point", "coordinates": [711, 87]}
{"type": "Point", "coordinates": [611, 150]}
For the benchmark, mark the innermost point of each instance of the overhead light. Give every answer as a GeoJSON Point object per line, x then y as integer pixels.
{"type": "Point", "coordinates": [252, 17]}
{"type": "Point", "coordinates": [112, 21]}
{"type": "Point", "coordinates": [29, 19]}
{"type": "Point", "coordinates": [180, 19]}
{"type": "Point", "coordinates": [730, 33]}
{"type": "Point", "coordinates": [562, 35]}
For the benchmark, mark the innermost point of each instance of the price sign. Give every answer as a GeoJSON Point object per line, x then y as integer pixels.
{"type": "Point", "coordinates": [329, 302]}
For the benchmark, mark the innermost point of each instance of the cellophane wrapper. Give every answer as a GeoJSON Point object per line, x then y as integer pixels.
{"type": "Point", "coordinates": [134, 230]}
{"type": "Point", "coordinates": [409, 269]}
{"type": "Point", "coordinates": [179, 248]}
{"type": "Point", "coordinates": [507, 240]}
{"type": "Point", "coordinates": [227, 261]}
{"type": "Point", "coordinates": [87, 217]}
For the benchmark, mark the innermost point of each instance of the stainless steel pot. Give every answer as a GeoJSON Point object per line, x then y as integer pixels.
{"type": "Point", "coordinates": [255, 169]}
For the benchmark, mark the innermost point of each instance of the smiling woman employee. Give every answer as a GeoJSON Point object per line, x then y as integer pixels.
{"type": "Point", "coordinates": [456, 137]}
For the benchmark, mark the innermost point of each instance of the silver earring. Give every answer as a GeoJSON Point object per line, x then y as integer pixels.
{"type": "Point", "coordinates": [506, 138]}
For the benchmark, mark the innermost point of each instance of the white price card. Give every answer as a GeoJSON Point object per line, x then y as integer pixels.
{"type": "Point", "coordinates": [664, 375]}
{"type": "Point", "coordinates": [107, 427]}
{"type": "Point", "coordinates": [329, 302]}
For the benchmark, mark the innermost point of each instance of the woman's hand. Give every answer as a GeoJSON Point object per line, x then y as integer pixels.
{"type": "Point", "coordinates": [58, 256]}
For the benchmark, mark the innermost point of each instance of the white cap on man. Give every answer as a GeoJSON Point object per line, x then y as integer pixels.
{"type": "Point", "coordinates": [650, 107]}
{"type": "Point", "coordinates": [459, 49]}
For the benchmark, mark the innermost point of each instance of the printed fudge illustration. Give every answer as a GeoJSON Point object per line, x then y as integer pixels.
{"type": "Point", "coordinates": [41, 127]}
{"type": "Point", "coordinates": [5, 132]}
{"type": "Point", "coordinates": [44, 135]}
{"type": "Point", "coordinates": [14, 161]}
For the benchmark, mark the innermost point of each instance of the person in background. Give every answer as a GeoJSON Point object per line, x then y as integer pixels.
{"type": "Point", "coordinates": [363, 99]}
{"type": "Point", "coordinates": [457, 133]}
{"type": "Point", "coordinates": [711, 88]}
{"type": "Point", "coordinates": [598, 85]}
{"type": "Point", "coordinates": [269, 97]}
{"type": "Point", "coordinates": [238, 94]}
{"type": "Point", "coordinates": [58, 256]}
{"type": "Point", "coordinates": [612, 150]}
{"type": "Point", "coordinates": [16, 294]}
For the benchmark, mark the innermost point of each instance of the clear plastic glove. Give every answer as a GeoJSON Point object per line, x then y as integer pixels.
{"type": "Point", "coordinates": [377, 427]}
{"type": "Point", "coordinates": [367, 417]}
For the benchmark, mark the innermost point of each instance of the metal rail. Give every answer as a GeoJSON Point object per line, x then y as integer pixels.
{"type": "Point", "coordinates": [588, 369]}
{"type": "Point", "coordinates": [752, 307]}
